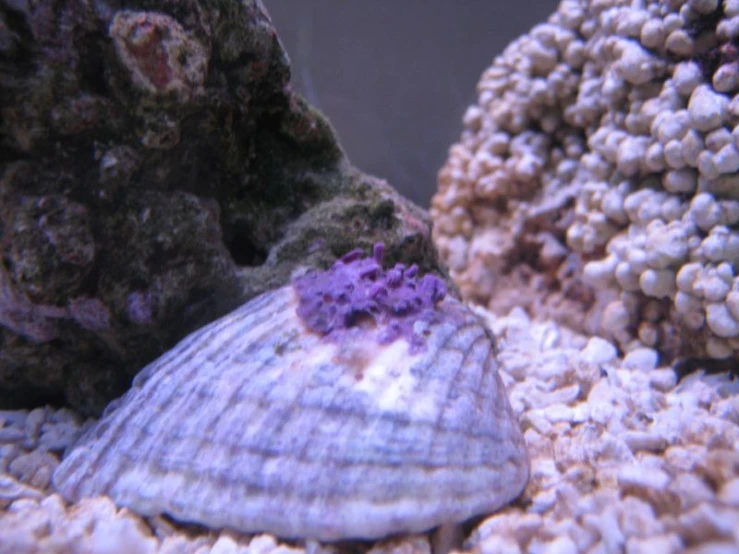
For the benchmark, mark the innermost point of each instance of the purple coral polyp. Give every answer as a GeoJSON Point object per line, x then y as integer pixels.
{"type": "Point", "coordinates": [356, 291]}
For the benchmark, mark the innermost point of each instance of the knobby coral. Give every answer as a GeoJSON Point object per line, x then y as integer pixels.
{"type": "Point", "coordinates": [599, 172]}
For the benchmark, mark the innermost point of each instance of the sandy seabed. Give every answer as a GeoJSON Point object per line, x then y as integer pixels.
{"type": "Point", "coordinates": [624, 459]}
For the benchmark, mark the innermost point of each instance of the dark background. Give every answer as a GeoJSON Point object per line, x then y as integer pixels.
{"type": "Point", "coordinates": [395, 76]}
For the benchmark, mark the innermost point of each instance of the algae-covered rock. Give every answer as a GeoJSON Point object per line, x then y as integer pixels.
{"type": "Point", "coordinates": [157, 170]}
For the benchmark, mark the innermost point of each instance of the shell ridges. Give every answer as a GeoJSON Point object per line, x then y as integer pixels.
{"type": "Point", "coordinates": [258, 424]}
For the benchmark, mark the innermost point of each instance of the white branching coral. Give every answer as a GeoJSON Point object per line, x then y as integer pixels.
{"type": "Point", "coordinates": [599, 171]}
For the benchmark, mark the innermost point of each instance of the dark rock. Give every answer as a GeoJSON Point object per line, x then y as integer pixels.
{"type": "Point", "coordinates": [156, 171]}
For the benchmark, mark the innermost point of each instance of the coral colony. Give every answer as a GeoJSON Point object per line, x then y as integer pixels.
{"type": "Point", "coordinates": [600, 168]}
{"type": "Point", "coordinates": [356, 290]}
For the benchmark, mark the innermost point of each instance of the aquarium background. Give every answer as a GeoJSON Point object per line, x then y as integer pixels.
{"type": "Point", "coordinates": [395, 77]}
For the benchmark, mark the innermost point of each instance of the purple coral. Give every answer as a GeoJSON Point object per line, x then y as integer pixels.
{"type": "Point", "coordinates": [356, 291]}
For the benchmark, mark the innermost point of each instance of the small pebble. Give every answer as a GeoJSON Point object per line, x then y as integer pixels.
{"type": "Point", "coordinates": [642, 480]}
{"type": "Point", "coordinates": [691, 489]}
{"type": "Point", "coordinates": [728, 547]}
{"type": "Point", "coordinates": [12, 490]}
{"type": "Point", "coordinates": [543, 501]}
{"type": "Point", "coordinates": [663, 379]}
{"type": "Point", "coordinates": [13, 418]}
{"type": "Point", "coordinates": [499, 545]}
{"type": "Point", "coordinates": [643, 359]}
{"type": "Point", "coordinates": [707, 523]}
{"type": "Point", "coordinates": [666, 544]}
{"type": "Point", "coordinates": [33, 425]}
{"type": "Point", "coordinates": [558, 412]}
{"type": "Point", "coordinates": [11, 434]}
{"type": "Point", "coordinates": [8, 452]}
{"type": "Point", "coordinates": [34, 468]}
{"type": "Point", "coordinates": [639, 440]}
{"type": "Point", "coordinates": [57, 437]}
{"type": "Point", "coordinates": [599, 351]}
{"type": "Point", "coordinates": [224, 545]}
{"type": "Point", "coordinates": [560, 545]}
{"type": "Point", "coordinates": [123, 534]}
{"type": "Point", "coordinates": [729, 493]}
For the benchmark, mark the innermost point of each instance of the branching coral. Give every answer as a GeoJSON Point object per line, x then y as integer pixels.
{"type": "Point", "coordinates": [599, 172]}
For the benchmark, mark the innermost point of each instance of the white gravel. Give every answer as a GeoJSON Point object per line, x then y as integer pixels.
{"type": "Point", "coordinates": [624, 459]}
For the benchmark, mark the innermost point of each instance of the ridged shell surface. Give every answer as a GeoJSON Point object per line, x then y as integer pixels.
{"type": "Point", "coordinates": [257, 424]}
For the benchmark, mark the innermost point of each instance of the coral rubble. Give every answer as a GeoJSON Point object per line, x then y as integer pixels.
{"type": "Point", "coordinates": [624, 459]}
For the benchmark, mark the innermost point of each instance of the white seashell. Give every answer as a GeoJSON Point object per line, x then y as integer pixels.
{"type": "Point", "coordinates": [396, 422]}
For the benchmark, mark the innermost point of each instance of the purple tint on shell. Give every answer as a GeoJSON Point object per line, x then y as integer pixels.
{"type": "Point", "coordinates": [357, 289]}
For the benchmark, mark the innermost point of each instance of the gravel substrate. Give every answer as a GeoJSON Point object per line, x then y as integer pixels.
{"type": "Point", "coordinates": [624, 459]}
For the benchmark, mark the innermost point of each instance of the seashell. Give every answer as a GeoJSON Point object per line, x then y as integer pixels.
{"type": "Point", "coordinates": [355, 403]}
